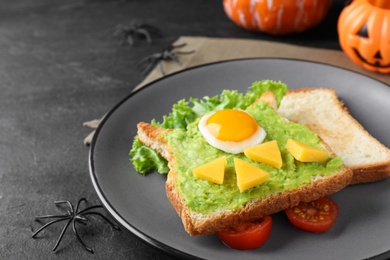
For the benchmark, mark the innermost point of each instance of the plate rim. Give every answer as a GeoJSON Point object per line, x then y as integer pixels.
{"type": "Point", "coordinates": [161, 246]}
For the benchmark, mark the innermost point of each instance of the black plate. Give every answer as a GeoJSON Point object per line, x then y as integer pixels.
{"type": "Point", "coordinates": [139, 203]}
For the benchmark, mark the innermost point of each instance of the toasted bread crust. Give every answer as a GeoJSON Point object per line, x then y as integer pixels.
{"type": "Point", "coordinates": [204, 224]}
{"type": "Point", "coordinates": [201, 224]}
{"type": "Point", "coordinates": [334, 124]}
{"type": "Point", "coordinates": [151, 136]}
{"type": "Point", "coordinates": [370, 173]}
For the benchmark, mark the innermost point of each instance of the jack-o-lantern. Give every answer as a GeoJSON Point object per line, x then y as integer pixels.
{"type": "Point", "coordinates": [364, 33]}
{"type": "Point", "coordinates": [277, 16]}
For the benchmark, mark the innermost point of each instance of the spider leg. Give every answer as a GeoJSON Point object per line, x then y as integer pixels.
{"type": "Point", "coordinates": [151, 29]}
{"type": "Point", "coordinates": [153, 57]}
{"type": "Point", "coordinates": [161, 68]}
{"type": "Point", "coordinates": [145, 69]}
{"type": "Point", "coordinates": [103, 217]}
{"type": "Point", "coordinates": [51, 216]}
{"type": "Point", "coordinates": [78, 214]}
{"type": "Point", "coordinates": [145, 33]}
{"type": "Point", "coordinates": [59, 202]}
{"type": "Point", "coordinates": [170, 55]}
{"type": "Point", "coordinates": [130, 39]}
{"type": "Point", "coordinates": [79, 238]}
{"type": "Point", "coordinates": [152, 65]}
{"type": "Point", "coordinates": [62, 234]}
{"type": "Point", "coordinates": [175, 58]}
{"type": "Point", "coordinates": [185, 52]}
{"type": "Point", "coordinates": [89, 208]}
{"type": "Point", "coordinates": [79, 203]}
{"type": "Point", "coordinates": [121, 35]}
{"type": "Point", "coordinates": [48, 224]}
{"type": "Point", "coordinates": [178, 46]}
{"type": "Point", "coordinates": [82, 219]}
{"type": "Point", "coordinates": [147, 63]}
{"type": "Point", "coordinates": [181, 46]}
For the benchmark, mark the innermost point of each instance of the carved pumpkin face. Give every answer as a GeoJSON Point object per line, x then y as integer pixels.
{"type": "Point", "coordinates": [277, 16]}
{"type": "Point", "coordinates": [364, 34]}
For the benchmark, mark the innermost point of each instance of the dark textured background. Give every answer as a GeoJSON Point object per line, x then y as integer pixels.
{"type": "Point", "coordinates": [59, 67]}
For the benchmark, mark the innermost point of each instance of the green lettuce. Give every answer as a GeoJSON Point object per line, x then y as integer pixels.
{"type": "Point", "coordinates": [146, 159]}
{"type": "Point", "coordinates": [184, 112]}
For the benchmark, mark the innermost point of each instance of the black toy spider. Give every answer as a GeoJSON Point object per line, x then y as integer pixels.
{"type": "Point", "coordinates": [72, 216]}
{"type": "Point", "coordinates": [147, 63]}
{"type": "Point", "coordinates": [126, 32]}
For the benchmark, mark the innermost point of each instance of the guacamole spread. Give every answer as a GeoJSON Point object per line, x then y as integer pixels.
{"type": "Point", "coordinates": [192, 150]}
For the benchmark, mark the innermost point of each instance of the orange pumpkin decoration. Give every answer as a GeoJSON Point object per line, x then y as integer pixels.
{"type": "Point", "coordinates": [277, 16]}
{"type": "Point", "coordinates": [364, 33]}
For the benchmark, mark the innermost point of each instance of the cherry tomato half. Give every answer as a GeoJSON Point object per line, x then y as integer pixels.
{"type": "Point", "coordinates": [315, 216]}
{"type": "Point", "coordinates": [248, 235]}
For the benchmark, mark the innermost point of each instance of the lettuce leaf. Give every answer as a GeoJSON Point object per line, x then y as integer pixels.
{"type": "Point", "coordinates": [146, 160]}
{"type": "Point", "coordinates": [185, 112]}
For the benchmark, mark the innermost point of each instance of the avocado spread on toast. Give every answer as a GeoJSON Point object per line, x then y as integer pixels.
{"type": "Point", "coordinates": [191, 150]}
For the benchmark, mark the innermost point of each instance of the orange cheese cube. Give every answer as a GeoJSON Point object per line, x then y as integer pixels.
{"type": "Point", "coordinates": [248, 175]}
{"type": "Point", "coordinates": [306, 153]}
{"type": "Point", "coordinates": [267, 153]}
{"type": "Point", "coordinates": [213, 171]}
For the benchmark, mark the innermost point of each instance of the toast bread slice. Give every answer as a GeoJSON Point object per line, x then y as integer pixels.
{"type": "Point", "coordinates": [196, 223]}
{"type": "Point", "coordinates": [321, 110]}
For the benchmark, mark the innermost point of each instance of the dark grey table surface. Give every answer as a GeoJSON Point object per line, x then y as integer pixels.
{"type": "Point", "coordinates": [60, 66]}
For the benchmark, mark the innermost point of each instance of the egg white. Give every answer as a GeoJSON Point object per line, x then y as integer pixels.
{"type": "Point", "coordinates": [230, 146]}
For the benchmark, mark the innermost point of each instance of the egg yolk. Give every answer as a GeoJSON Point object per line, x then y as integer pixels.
{"type": "Point", "coordinates": [232, 125]}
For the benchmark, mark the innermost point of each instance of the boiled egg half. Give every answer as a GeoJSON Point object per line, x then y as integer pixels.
{"type": "Point", "coordinates": [231, 130]}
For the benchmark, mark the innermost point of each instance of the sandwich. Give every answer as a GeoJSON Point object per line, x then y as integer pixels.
{"type": "Point", "coordinates": [322, 111]}
{"type": "Point", "coordinates": [218, 173]}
